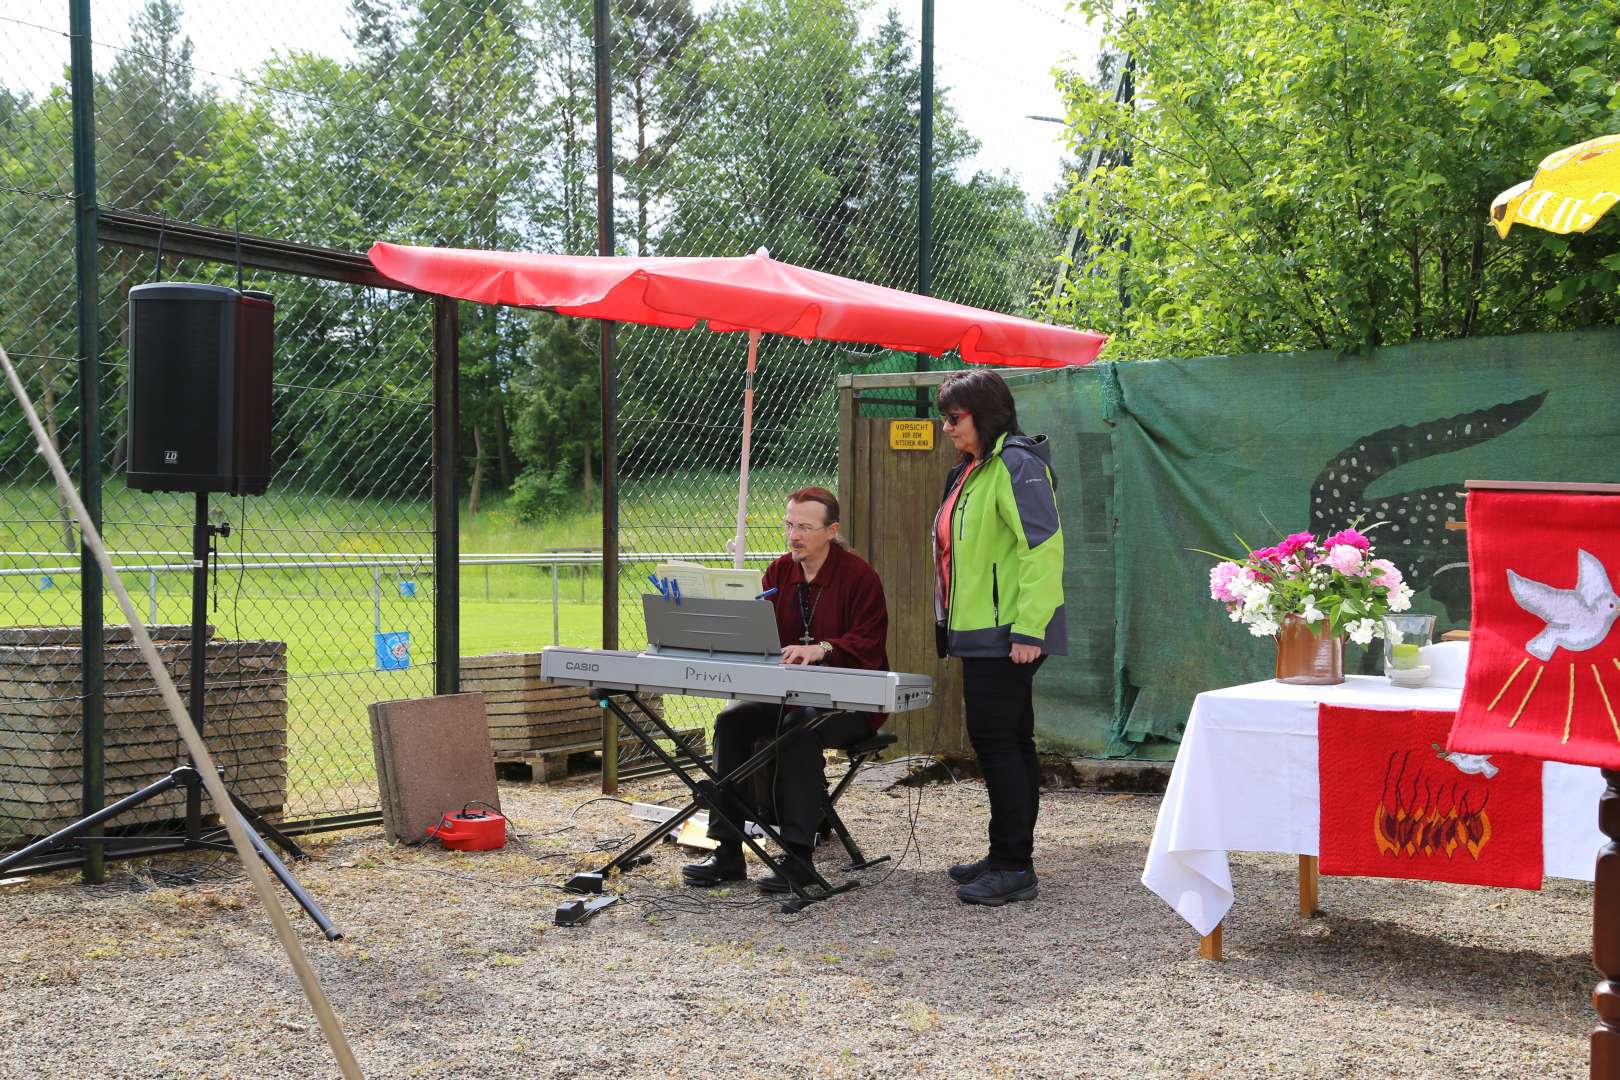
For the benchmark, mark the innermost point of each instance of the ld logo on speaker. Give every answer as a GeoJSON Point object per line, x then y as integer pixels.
{"type": "Point", "coordinates": [171, 457]}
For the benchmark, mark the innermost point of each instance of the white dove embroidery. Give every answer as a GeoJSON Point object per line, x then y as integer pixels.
{"type": "Point", "coordinates": [1473, 764]}
{"type": "Point", "coordinates": [1577, 619]}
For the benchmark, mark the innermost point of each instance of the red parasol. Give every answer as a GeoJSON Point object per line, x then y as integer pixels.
{"type": "Point", "coordinates": [754, 293]}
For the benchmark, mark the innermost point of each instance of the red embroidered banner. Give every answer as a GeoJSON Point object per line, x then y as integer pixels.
{"type": "Point", "coordinates": [1396, 804]}
{"type": "Point", "coordinates": [1543, 652]}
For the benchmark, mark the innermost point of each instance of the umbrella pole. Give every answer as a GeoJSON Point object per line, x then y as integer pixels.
{"type": "Point", "coordinates": [747, 439]}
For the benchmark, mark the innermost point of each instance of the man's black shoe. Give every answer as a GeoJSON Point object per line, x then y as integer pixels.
{"type": "Point", "coordinates": [776, 883]}
{"type": "Point", "coordinates": [964, 872]}
{"type": "Point", "coordinates": [724, 865]}
{"type": "Point", "coordinates": [996, 887]}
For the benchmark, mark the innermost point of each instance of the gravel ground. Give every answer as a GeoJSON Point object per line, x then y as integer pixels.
{"type": "Point", "coordinates": [452, 967]}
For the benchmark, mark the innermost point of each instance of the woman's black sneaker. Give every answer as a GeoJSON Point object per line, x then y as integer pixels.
{"type": "Point", "coordinates": [724, 865]}
{"type": "Point", "coordinates": [964, 872]}
{"type": "Point", "coordinates": [996, 887]}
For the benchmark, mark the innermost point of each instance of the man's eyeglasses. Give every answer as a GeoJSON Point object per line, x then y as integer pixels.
{"type": "Point", "coordinates": [800, 527]}
{"type": "Point", "coordinates": [952, 419]}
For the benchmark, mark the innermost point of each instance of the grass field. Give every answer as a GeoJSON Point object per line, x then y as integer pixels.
{"type": "Point", "coordinates": [327, 615]}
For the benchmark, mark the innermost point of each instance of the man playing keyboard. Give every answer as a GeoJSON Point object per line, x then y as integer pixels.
{"type": "Point", "coordinates": [830, 608]}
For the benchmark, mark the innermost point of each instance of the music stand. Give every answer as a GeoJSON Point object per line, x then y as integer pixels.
{"type": "Point", "coordinates": [187, 776]}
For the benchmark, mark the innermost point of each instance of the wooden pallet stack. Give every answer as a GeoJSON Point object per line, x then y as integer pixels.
{"type": "Point", "coordinates": [531, 721]}
{"type": "Point", "coordinates": [41, 741]}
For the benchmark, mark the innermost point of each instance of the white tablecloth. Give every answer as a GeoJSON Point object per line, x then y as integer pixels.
{"type": "Point", "coordinates": [1245, 780]}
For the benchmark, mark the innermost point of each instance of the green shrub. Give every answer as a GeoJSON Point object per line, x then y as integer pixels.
{"type": "Point", "coordinates": [541, 495]}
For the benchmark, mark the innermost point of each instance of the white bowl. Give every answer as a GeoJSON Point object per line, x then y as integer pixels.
{"type": "Point", "coordinates": [1449, 659]}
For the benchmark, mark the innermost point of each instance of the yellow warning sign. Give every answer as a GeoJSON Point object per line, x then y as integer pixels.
{"type": "Point", "coordinates": [911, 434]}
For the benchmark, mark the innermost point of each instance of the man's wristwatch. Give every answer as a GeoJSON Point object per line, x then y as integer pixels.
{"type": "Point", "coordinates": [826, 650]}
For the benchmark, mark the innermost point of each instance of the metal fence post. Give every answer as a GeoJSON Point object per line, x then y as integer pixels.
{"type": "Point", "coordinates": [602, 36]}
{"type": "Point", "coordinates": [555, 622]}
{"type": "Point", "coordinates": [90, 613]}
{"type": "Point", "coordinates": [446, 496]}
{"type": "Point", "coordinates": [151, 596]}
{"type": "Point", "coordinates": [925, 184]}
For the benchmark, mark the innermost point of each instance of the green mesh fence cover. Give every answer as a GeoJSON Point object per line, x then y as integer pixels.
{"type": "Point", "coordinates": [1159, 458]}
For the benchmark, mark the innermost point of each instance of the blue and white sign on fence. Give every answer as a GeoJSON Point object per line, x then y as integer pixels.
{"type": "Point", "coordinates": [407, 589]}
{"type": "Point", "coordinates": [394, 650]}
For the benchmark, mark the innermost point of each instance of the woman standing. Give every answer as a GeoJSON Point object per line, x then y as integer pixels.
{"type": "Point", "coordinates": [998, 605]}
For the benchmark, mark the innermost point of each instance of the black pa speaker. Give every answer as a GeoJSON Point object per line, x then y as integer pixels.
{"type": "Point", "coordinates": [200, 359]}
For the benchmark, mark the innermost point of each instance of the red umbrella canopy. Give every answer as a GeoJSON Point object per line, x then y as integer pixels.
{"type": "Point", "coordinates": [754, 292]}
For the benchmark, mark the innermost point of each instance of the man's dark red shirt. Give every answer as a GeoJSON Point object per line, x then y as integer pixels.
{"type": "Point", "coordinates": [846, 606]}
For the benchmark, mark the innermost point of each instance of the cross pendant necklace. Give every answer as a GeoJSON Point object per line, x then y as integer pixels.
{"type": "Point", "coordinates": [807, 612]}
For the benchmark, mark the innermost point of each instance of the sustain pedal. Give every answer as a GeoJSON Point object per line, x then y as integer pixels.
{"type": "Point", "coordinates": [574, 912]}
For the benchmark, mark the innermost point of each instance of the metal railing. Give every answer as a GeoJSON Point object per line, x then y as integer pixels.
{"type": "Point", "coordinates": [580, 558]}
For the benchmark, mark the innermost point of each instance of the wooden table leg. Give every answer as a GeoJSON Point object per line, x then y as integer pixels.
{"type": "Point", "coordinates": [1605, 1039]}
{"type": "Point", "coordinates": [1307, 885]}
{"type": "Point", "coordinates": [1209, 946]}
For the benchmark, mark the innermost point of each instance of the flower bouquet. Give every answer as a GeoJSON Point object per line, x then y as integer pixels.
{"type": "Point", "coordinates": [1310, 594]}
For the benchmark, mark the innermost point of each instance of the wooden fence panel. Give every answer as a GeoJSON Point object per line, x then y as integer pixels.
{"type": "Point", "coordinates": [889, 498]}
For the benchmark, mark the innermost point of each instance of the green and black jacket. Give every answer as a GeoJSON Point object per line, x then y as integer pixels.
{"type": "Point", "coordinates": [1006, 572]}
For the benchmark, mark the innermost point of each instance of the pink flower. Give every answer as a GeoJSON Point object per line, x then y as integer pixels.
{"type": "Point", "coordinates": [1293, 543]}
{"type": "Point", "coordinates": [1221, 576]}
{"type": "Point", "coordinates": [1266, 554]}
{"type": "Point", "coordinates": [1384, 573]}
{"type": "Point", "coordinates": [1348, 536]}
{"type": "Point", "coordinates": [1346, 559]}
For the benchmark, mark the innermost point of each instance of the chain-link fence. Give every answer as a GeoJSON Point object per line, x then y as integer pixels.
{"type": "Point", "coordinates": [39, 330]}
{"type": "Point", "coordinates": [792, 126]}
{"type": "Point", "coordinates": [785, 124]}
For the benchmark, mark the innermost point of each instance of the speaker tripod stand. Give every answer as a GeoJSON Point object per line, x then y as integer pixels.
{"type": "Point", "coordinates": [186, 777]}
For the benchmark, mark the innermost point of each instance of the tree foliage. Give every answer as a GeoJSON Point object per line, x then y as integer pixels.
{"type": "Point", "coordinates": [775, 123]}
{"type": "Point", "coordinates": [1318, 174]}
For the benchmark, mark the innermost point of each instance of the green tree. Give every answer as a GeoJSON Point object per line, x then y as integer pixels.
{"type": "Point", "coordinates": [151, 117]}
{"type": "Point", "coordinates": [769, 158]}
{"type": "Point", "coordinates": [567, 83]}
{"type": "Point", "coordinates": [36, 320]}
{"type": "Point", "coordinates": [557, 403]}
{"type": "Point", "coordinates": [1318, 174]}
{"type": "Point", "coordinates": [805, 141]}
{"type": "Point", "coordinates": [650, 36]}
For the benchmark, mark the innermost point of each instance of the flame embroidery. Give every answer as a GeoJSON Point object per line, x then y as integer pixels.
{"type": "Point", "coordinates": [1415, 817]}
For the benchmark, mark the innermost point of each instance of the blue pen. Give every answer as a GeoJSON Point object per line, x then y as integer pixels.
{"type": "Point", "coordinates": [766, 595]}
{"type": "Point", "coordinates": [675, 587]}
{"type": "Point", "coordinates": [661, 586]}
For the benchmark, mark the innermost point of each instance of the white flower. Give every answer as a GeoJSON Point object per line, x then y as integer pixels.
{"type": "Point", "coordinates": [1263, 626]}
{"type": "Point", "coordinates": [1400, 597]}
{"type": "Point", "coordinates": [1311, 613]}
{"type": "Point", "coordinates": [1362, 631]}
{"type": "Point", "coordinates": [1256, 595]}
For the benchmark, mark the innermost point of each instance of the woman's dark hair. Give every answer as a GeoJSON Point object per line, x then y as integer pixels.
{"type": "Point", "coordinates": [982, 394]}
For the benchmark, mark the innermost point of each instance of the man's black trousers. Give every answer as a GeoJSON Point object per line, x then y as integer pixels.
{"type": "Point", "coordinates": [792, 798]}
{"type": "Point", "coordinates": [997, 694]}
